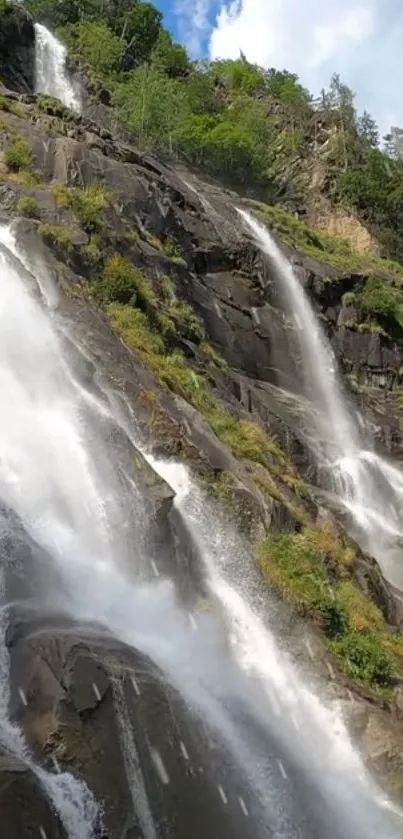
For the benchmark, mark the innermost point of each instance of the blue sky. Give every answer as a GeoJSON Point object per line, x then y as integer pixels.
{"type": "Point", "coordinates": [360, 39]}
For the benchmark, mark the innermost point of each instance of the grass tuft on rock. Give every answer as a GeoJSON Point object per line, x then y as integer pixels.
{"type": "Point", "coordinates": [313, 570]}
{"type": "Point", "coordinates": [28, 207]}
{"type": "Point", "coordinates": [59, 235]}
{"type": "Point", "coordinates": [18, 154]}
{"type": "Point", "coordinates": [122, 282]}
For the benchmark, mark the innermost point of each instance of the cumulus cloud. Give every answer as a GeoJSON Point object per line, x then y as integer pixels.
{"type": "Point", "coordinates": [193, 23]}
{"type": "Point", "coordinates": [360, 39]}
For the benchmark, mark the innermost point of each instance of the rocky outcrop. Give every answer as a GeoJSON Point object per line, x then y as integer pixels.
{"type": "Point", "coordinates": [17, 49]}
{"type": "Point", "coordinates": [25, 809]}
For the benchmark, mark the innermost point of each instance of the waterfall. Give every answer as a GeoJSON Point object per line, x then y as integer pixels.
{"type": "Point", "coordinates": [370, 488]}
{"type": "Point", "coordinates": [342, 783]}
{"type": "Point", "coordinates": [61, 474]}
{"type": "Point", "coordinates": [51, 76]}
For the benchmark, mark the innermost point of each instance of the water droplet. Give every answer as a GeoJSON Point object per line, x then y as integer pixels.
{"type": "Point", "coordinates": [159, 765]}
{"type": "Point", "coordinates": [222, 794]}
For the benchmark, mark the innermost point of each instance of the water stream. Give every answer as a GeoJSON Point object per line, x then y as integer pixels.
{"type": "Point", "coordinates": [370, 488]}
{"type": "Point", "coordinates": [51, 76]}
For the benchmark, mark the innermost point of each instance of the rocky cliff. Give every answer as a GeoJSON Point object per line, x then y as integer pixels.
{"type": "Point", "coordinates": [176, 306]}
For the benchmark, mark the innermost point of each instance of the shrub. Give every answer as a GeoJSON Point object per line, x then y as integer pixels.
{"type": "Point", "coordinates": [5, 104]}
{"type": "Point", "coordinates": [61, 194]}
{"type": "Point", "coordinates": [89, 203]}
{"type": "Point", "coordinates": [301, 566]}
{"type": "Point", "coordinates": [9, 106]}
{"type": "Point", "coordinates": [173, 250]}
{"type": "Point", "coordinates": [294, 565]}
{"type": "Point", "coordinates": [213, 356]}
{"type": "Point", "coordinates": [348, 298]}
{"type": "Point", "coordinates": [18, 155]}
{"type": "Point", "coordinates": [92, 251]}
{"type": "Point", "coordinates": [122, 282]}
{"type": "Point", "coordinates": [53, 106]}
{"type": "Point", "coordinates": [333, 619]}
{"type": "Point", "coordinates": [380, 298]}
{"type": "Point", "coordinates": [26, 178]}
{"type": "Point", "coordinates": [365, 659]}
{"type": "Point", "coordinates": [191, 325]}
{"type": "Point", "coordinates": [135, 330]}
{"type": "Point", "coordinates": [58, 234]}
{"type": "Point", "coordinates": [28, 207]}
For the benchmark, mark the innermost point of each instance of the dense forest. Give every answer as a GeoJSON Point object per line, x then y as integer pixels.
{"type": "Point", "coordinates": [258, 130]}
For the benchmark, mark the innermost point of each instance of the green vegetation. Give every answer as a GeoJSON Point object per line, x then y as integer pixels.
{"type": "Point", "coordinates": [191, 325]}
{"type": "Point", "coordinates": [383, 300]}
{"type": "Point", "coordinates": [312, 569]}
{"type": "Point", "coordinates": [60, 235]}
{"type": "Point", "coordinates": [53, 106]}
{"type": "Point", "coordinates": [237, 121]}
{"type": "Point", "coordinates": [18, 154]}
{"type": "Point", "coordinates": [122, 282]}
{"type": "Point", "coordinates": [8, 105]}
{"type": "Point", "coordinates": [28, 207]}
{"type": "Point", "coordinates": [87, 203]}
{"type": "Point", "coordinates": [27, 178]}
{"type": "Point", "coordinates": [331, 249]}
{"type": "Point", "coordinates": [348, 298]}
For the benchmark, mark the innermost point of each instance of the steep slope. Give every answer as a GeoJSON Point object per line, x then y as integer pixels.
{"type": "Point", "coordinates": [178, 309]}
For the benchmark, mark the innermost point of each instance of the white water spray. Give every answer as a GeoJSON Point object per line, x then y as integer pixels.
{"type": "Point", "coordinates": [370, 488]}
{"type": "Point", "coordinates": [70, 797]}
{"type": "Point", "coordinates": [315, 733]}
{"type": "Point", "coordinates": [51, 77]}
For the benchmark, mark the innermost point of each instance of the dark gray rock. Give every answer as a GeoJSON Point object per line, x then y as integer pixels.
{"type": "Point", "coordinates": [17, 49]}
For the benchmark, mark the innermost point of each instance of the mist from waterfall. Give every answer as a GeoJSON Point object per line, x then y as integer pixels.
{"type": "Point", "coordinates": [51, 76]}
{"type": "Point", "coordinates": [312, 735]}
{"type": "Point", "coordinates": [371, 489]}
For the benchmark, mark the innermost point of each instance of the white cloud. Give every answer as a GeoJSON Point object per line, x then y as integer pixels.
{"type": "Point", "coordinates": [193, 23]}
{"type": "Point", "coordinates": [360, 39]}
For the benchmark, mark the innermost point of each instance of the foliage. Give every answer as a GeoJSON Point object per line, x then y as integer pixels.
{"type": "Point", "coordinates": [28, 207]}
{"type": "Point", "coordinates": [379, 298]}
{"type": "Point", "coordinates": [328, 248]}
{"type": "Point", "coordinates": [366, 660]}
{"type": "Point", "coordinates": [87, 203]}
{"type": "Point", "coordinates": [348, 298]}
{"type": "Point", "coordinates": [60, 235]}
{"type": "Point", "coordinates": [311, 569]}
{"type": "Point", "coordinates": [53, 106]}
{"type": "Point", "coordinates": [96, 44]}
{"type": "Point", "coordinates": [191, 325]}
{"type": "Point", "coordinates": [168, 57]}
{"type": "Point", "coordinates": [9, 106]}
{"type": "Point", "coordinates": [25, 178]}
{"type": "Point", "coordinates": [18, 154]}
{"type": "Point", "coordinates": [236, 120]}
{"type": "Point", "coordinates": [122, 282]}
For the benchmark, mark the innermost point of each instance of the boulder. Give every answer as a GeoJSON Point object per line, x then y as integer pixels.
{"type": "Point", "coordinates": [17, 49]}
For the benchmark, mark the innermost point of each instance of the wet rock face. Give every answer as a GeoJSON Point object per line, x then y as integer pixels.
{"type": "Point", "coordinates": [25, 811]}
{"type": "Point", "coordinates": [17, 50]}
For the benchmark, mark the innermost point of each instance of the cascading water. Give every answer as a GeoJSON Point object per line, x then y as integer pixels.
{"type": "Point", "coordinates": [51, 77]}
{"type": "Point", "coordinates": [63, 479]}
{"type": "Point", "coordinates": [298, 719]}
{"type": "Point", "coordinates": [371, 489]}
